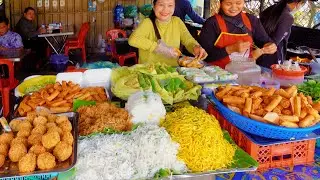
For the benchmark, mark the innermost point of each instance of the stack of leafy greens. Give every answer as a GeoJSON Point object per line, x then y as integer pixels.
{"type": "Point", "coordinates": [311, 88]}
{"type": "Point", "coordinates": [159, 78]}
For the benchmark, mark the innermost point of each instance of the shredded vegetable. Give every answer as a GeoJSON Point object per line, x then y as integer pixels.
{"type": "Point", "coordinates": [202, 145]}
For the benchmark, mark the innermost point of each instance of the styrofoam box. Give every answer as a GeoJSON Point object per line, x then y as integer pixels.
{"type": "Point", "coordinates": [97, 77]}
{"type": "Point", "coordinates": [75, 77]}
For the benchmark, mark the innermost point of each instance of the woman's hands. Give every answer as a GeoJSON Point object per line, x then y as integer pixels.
{"type": "Point", "coordinates": [166, 50]}
{"type": "Point", "coordinates": [199, 52]}
{"type": "Point", "coordinates": [269, 48]}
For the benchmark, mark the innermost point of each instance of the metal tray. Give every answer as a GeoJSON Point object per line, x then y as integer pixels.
{"type": "Point", "coordinates": [61, 167]}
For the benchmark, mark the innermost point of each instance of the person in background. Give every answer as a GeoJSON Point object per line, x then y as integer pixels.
{"type": "Point", "coordinates": [8, 39]}
{"type": "Point", "coordinates": [233, 32]}
{"type": "Point", "coordinates": [277, 20]}
{"type": "Point", "coordinates": [26, 28]}
{"type": "Point", "coordinates": [183, 8]}
{"type": "Point", "coordinates": [158, 37]}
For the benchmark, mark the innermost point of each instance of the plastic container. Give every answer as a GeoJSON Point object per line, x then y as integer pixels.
{"type": "Point", "coordinates": [97, 77]}
{"type": "Point", "coordinates": [75, 77]}
{"type": "Point", "coordinates": [247, 70]}
{"type": "Point", "coordinates": [59, 62]}
{"type": "Point", "coordinates": [269, 83]}
{"type": "Point", "coordinates": [288, 77]}
{"type": "Point", "coordinates": [270, 156]}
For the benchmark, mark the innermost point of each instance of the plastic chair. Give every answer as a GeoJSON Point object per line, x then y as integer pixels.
{"type": "Point", "coordinates": [79, 42]}
{"type": "Point", "coordinates": [113, 34]}
{"type": "Point", "coordinates": [6, 85]}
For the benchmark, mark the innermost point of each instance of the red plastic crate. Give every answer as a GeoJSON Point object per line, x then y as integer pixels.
{"type": "Point", "coordinates": [270, 156]}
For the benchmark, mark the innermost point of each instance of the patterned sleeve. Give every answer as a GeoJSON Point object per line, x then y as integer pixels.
{"type": "Point", "coordinates": [16, 41]}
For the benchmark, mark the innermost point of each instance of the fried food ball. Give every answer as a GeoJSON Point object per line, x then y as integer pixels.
{"type": "Point", "coordinates": [28, 163]}
{"type": "Point", "coordinates": [6, 138]}
{"type": "Point", "coordinates": [14, 125]}
{"type": "Point", "coordinates": [34, 139]}
{"type": "Point", "coordinates": [55, 129]}
{"type": "Point", "coordinates": [17, 151]}
{"type": "Point", "coordinates": [31, 116]}
{"type": "Point", "coordinates": [52, 118]}
{"type": "Point", "coordinates": [25, 125]}
{"type": "Point", "coordinates": [46, 161]}
{"type": "Point", "coordinates": [43, 112]}
{"type": "Point", "coordinates": [66, 126]}
{"type": "Point", "coordinates": [40, 120]}
{"type": "Point", "coordinates": [61, 119]}
{"type": "Point", "coordinates": [2, 159]}
{"type": "Point", "coordinates": [67, 137]}
{"type": "Point", "coordinates": [4, 148]}
{"type": "Point", "coordinates": [50, 139]}
{"type": "Point", "coordinates": [37, 149]}
{"type": "Point", "coordinates": [62, 151]}
{"type": "Point", "coordinates": [19, 140]}
{"type": "Point", "coordinates": [39, 129]}
{"type": "Point", "coordinates": [24, 133]}
{"type": "Point", "coordinates": [51, 124]}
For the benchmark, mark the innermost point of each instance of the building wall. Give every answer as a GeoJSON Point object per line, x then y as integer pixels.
{"type": "Point", "coordinates": [71, 15]}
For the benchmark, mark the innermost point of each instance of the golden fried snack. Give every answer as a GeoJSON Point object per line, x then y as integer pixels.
{"type": "Point", "coordinates": [46, 161]}
{"type": "Point", "coordinates": [55, 129]}
{"type": "Point", "coordinates": [34, 139]}
{"type": "Point", "coordinates": [24, 133]}
{"type": "Point", "coordinates": [61, 119]}
{"type": "Point", "coordinates": [39, 129]}
{"type": "Point", "coordinates": [52, 118]}
{"type": "Point", "coordinates": [66, 126]}
{"type": "Point", "coordinates": [17, 151]}
{"type": "Point", "coordinates": [6, 138]}
{"type": "Point", "coordinates": [43, 112]}
{"type": "Point", "coordinates": [37, 149]}
{"type": "Point", "coordinates": [50, 125]}
{"type": "Point", "coordinates": [25, 125]}
{"type": "Point", "coordinates": [40, 120]}
{"type": "Point", "coordinates": [28, 163]}
{"type": "Point", "coordinates": [50, 139]}
{"type": "Point", "coordinates": [4, 148]}
{"type": "Point", "coordinates": [67, 137]}
{"type": "Point", "coordinates": [2, 160]}
{"type": "Point", "coordinates": [62, 151]}
{"type": "Point", "coordinates": [14, 124]}
{"type": "Point", "coordinates": [19, 140]}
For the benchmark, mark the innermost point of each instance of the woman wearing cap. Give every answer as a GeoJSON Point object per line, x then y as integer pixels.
{"type": "Point", "coordinates": [233, 32]}
{"type": "Point", "coordinates": [158, 37]}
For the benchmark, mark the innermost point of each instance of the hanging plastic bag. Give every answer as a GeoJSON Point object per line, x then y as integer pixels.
{"type": "Point", "coordinates": [146, 10]}
{"type": "Point", "coordinates": [130, 11]}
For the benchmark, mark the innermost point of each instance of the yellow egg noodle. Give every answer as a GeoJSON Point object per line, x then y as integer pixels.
{"type": "Point", "coordinates": [202, 145]}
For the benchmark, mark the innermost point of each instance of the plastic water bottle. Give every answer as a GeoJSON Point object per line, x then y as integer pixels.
{"type": "Point", "coordinates": [90, 5]}
{"type": "Point", "coordinates": [118, 15]}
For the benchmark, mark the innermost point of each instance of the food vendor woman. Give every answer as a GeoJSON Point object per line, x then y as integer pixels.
{"type": "Point", "coordinates": [277, 20]}
{"type": "Point", "coordinates": [158, 37]}
{"type": "Point", "coordinates": [233, 32]}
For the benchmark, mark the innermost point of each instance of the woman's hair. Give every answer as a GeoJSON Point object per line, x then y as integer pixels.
{"type": "Point", "coordinates": [152, 16]}
{"type": "Point", "coordinates": [270, 17]}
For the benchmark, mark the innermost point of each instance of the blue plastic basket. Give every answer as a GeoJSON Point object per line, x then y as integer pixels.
{"type": "Point", "coordinates": [259, 128]}
{"type": "Point", "coordinates": [46, 176]}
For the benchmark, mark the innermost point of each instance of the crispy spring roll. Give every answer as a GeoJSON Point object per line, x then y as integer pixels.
{"type": "Point", "coordinates": [289, 124]}
{"type": "Point", "coordinates": [256, 94]}
{"type": "Point", "coordinates": [239, 92]}
{"type": "Point", "coordinates": [60, 109]}
{"type": "Point", "coordinates": [257, 118]}
{"type": "Point", "coordinates": [97, 98]}
{"type": "Point", "coordinates": [53, 95]}
{"type": "Point", "coordinates": [310, 101]}
{"type": "Point", "coordinates": [84, 96]}
{"type": "Point", "coordinates": [49, 86]}
{"type": "Point", "coordinates": [274, 103]}
{"type": "Point", "coordinates": [248, 106]}
{"type": "Point", "coordinates": [297, 106]}
{"type": "Point", "coordinates": [234, 109]}
{"type": "Point", "coordinates": [221, 93]}
{"type": "Point", "coordinates": [283, 93]}
{"type": "Point", "coordinates": [59, 103]}
{"type": "Point", "coordinates": [259, 112]}
{"type": "Point", "coordinates": [304, 113]}
{"type": "Point", "coordinates": [277, 110]}
{"type": "Point", "coordinates": [307, 121]}
{"type": "Point", "coordinates": [289, 118]}
{"type": "Point", "coordinates": [313, 112]}
{"type": "Point", "coordinates": [64, 85]}
{"type": "Point", "coordinates": [244, 95]}
{"type": "Point", "coordinates": [256, 103]}
{"type": "Point", "coordinates": [75, 89]}
{"type": "Point", "coordinates": [286, 112]}
{"type": "Point", "coordinates": [269, 92]}
{"type": "Point", "coordinates": [291, 90]}
{"type": "Point", "coordinates": [285, 103]}
{"type": "Point", "coordinates": [234, 100]}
